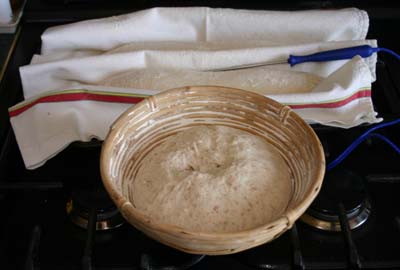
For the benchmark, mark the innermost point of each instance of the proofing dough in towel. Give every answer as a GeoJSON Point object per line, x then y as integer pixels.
{"type": "Point", "coordinates": [212, 179]}
{"type": "Point", "coordinates": [262, 80]}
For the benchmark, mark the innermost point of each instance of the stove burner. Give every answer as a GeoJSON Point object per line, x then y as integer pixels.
{"type": "Point", "coordinates": [83, 201]}
{"type": "Point", "coordinates": [343, 191]}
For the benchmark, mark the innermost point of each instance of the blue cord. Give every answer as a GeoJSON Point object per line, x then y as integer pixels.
{"type": "Point", "coordinates": [360, 139]}
{"type": "Point", "coordinates": [387, 140]}
{"type": "Point", "coordinates": [379, 49]}
{"type": "Point", "coordinates": [368, 133]}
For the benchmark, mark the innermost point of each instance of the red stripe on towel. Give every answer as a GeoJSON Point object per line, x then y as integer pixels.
{"type": "Point", "coordinates": [76, 97]}
{"type": "Point", "coordinates": [335, 104]}
{"type": "Point", "coordinates": [63, 97]}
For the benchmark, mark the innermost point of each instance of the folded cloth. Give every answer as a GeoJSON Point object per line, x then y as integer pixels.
{"type": "Point", "coordinates": [198, 24]}
{"type": "Point", "coordinates": [96, 68]}
{"type": "Point", "coordinates": [91, 71]}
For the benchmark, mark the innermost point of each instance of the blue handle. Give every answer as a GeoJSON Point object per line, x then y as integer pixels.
{"type": "Point", "coordinates": [339, 54]}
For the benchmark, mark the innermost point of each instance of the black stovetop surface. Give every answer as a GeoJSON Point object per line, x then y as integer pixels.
{"type": "Point", "coordinates": [36, 232]}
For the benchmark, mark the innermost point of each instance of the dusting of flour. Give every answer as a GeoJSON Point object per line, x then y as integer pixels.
{"type": "Point", "coordinates": [212, 179]}
{"type": "Point", "coordinates": [262, 80]}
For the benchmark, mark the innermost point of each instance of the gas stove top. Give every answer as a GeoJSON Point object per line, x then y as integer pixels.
{"type": "Point", "coordinates": [38, 232]}
{"type": "Point", "coordinates": [49, 214]}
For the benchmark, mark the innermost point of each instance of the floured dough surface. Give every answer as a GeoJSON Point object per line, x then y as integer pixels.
{"type": "Point", "coordinates": [262, 80]}
{"type": "Point", "coordinates": [212, 179]}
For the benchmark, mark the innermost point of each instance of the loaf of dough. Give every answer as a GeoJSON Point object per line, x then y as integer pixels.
{"type": "Point", "coordinates": [262, 80]}
{"type": "Point", "coordinates": [212, 178]}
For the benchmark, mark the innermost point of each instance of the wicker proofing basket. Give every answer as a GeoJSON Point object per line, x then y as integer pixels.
{"type": "Point", "coordinates": [148, 123]}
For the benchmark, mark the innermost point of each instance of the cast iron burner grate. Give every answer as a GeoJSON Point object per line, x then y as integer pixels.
{"type": "Point", "coordinates": [84, 201]}
{"type": "Point", "coordinates": [343, 194]}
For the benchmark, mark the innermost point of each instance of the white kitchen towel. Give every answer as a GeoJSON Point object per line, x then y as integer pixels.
{"type": "Point", "coordinates": [198, 24]}
{"type": "Point", "coordinates": [90, 72]}
{"type": "Point", "coordinates": [95, 69]}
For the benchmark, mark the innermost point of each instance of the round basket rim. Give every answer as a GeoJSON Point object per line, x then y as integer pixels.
{"type": "Point", "coordinates": [289, 216]}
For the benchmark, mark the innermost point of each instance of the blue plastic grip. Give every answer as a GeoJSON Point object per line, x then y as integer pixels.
{"type": "Point", "coordinates": [339, 54]}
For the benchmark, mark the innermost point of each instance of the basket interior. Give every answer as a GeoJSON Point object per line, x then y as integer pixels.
{"type": "Point", "coordinates": [148, 124]}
